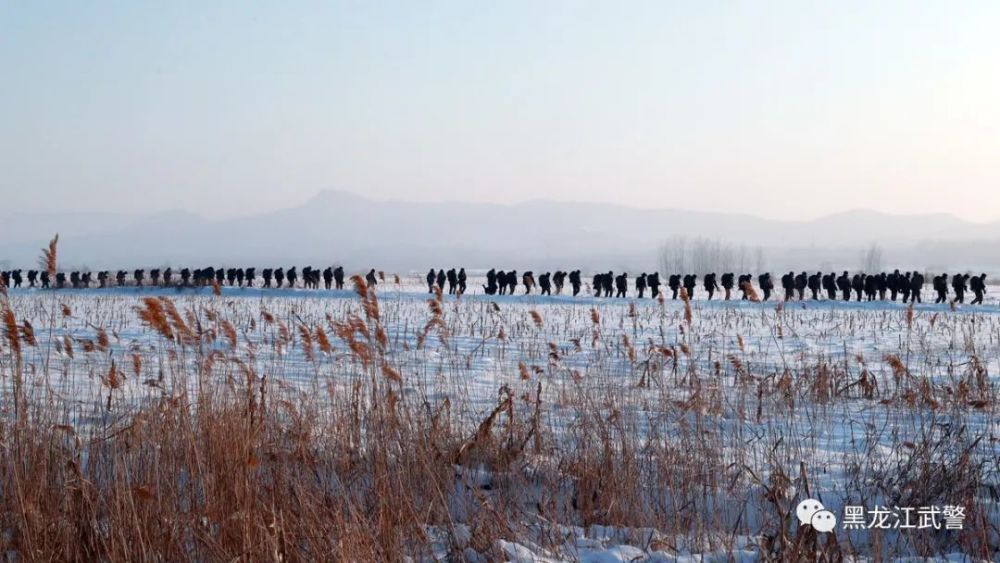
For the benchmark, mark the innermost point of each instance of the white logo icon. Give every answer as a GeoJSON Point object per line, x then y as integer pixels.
{"type": "Point", "coordinates": [812, 512]}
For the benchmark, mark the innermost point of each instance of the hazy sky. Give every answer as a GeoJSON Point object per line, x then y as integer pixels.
{"type": "Point", "coordinates": [782, 109]}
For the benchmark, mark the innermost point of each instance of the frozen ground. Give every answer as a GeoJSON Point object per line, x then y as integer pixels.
{"type": "Point", "coordinates": [763, 399]}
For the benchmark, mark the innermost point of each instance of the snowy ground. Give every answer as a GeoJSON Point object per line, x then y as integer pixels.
{"type": "Point", "coordinates": [846, 392]}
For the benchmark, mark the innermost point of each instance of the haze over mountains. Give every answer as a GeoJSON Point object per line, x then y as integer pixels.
{"type": "Point", "coordinates": [339, 227]}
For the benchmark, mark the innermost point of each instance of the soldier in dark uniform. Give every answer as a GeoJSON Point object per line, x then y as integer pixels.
{"type": "Point", "coordinates": [512, 281]}
{"type": "Point", "coordinates": [231, 276]}
{"type": "Point", "coordinates": [452, 277]}
{"type": "Point", "coordinates": [501, 282]}
{"type": "Point", "coordinates": [892, 281]}
{"type": "Point", "coordinates": [640, 284]}
{"type": "Point", "coordinates": [544, 284]}
{"type": "Point", "coordinates": [44, 277]}
{"type": "Point", "coordinates": [858, 285]}
{"type": "Point", "coordinates": [916, 287]}
{"type": "Point", "coordinates": [978, 286]}
{"type": "Point", "coordinates": [871, 287]}
{"type": "Point", "coordinates": [788, 285]}
{"type": "Point", "coordinates": [844, 285]}
{"type": "Point", "coordinates": [85, 279]}
{"type": "Point", "coordinates": [801, 281]}
{"type": "Point", "coordinates": [251, 276]}
{"type": "Point", "coordinates": [338, 277]}
{"type": "Point", "coordinates": [743, 283]}
{"type": "Point", "coordinates": [940, 285]}
{"type": "Point", "coordinates": [220, 276]}
{"type": "Point", "coordinates": [815, 283]}
{"type": "Point", "coordinates": [727, 284]}
{"type": "Point", "coordinates": [279, 277]}
{"type": "Point", "coordinates": [559, 280]}
{"type": "Point", "coordinates": [328, 278]}
{"type": "Point", "coordinates": [690, 282]}
{"type": "Point", "coordinates": [708, 282]}
{"type": "Point", "coordinates": [575, 282]}
{"type": "Point", "coordinates": [766, 285]}
{"type": "Point", "coordinates": [16, 277]}
{"type": "Point", "coordinates": [904, 287]}
{"type": "Point", "coordinates": [185, 276]}
{"type": "Point", "coordinates": [830, 286]}
{"type": "Point", "coordinates": [528, 279]}
{"type": "Point", "coordinates": [608, 282]}
{"type": "Point", "coordinates": [653, 281]}
{"type": "Point", "coordinates": [138, 275]}
{"type": "Point", "coordinates": [74, 279]}
{"type": "Point", "coordinates": [491, 282]}
{"type": "Point", "coordinates": [958, 284]}
{"type": "Point", "coordinates": [621, 284]}
{"type": "Point", "coordinates": [102, 279]}
{"type": "Point", "coordinates": [674, 283]}
{"type": "Point", "coordinates": [60, 280]}
{"type": "Point", "coordinates": [268, 275]}
{"type": "Point", "coordinates": [240, 276]}
{"type": "Point", "coordinates": [32, 277]}
{"type": "Point", "coordinates": [372, 281]}
{"type": "Point", "coordinates": [291, 276]}
{"type": "Point", "coordinates": [462, 280]}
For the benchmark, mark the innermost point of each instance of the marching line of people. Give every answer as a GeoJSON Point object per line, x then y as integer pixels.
{"type": "Point", "coordinates": [861, 286]}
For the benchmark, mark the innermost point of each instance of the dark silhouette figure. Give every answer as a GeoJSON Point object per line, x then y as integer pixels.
{"type": "Point", "coordinates": [653, 281]}
{"type": "Point", "coordinates": [291, 276]}
{"type": "Point", "coordinates": [102, 279]}
{"type": "Point", "coordinates": [727, 284]}
{"type": "Point", "coordinates": [512, 281]}
{"type": "Point", "coordinates": [766, 284]}
{"type": "Point", "coordinates": [545, 284]}
{"type": "Point", "coordinates": [251, 276]}
{"type": "Point", "coordinates": [559, 280]}
{"type": "Point", "coordinates": [452, 277]}
{"type": "Point", "coordinates": [491, 282]}
{"type": "Point", "coordinates": [640, 284]}
{"type": "Point", "coordinates": [16, 277]}
{"type": "Point", "coordinates": [528, 279]}
{"type": "Point", "coordinates": [801, 281]}
{"type": "Point", "coordinates": [690, 282]}
{"type": "Point", "coordinates": [44, 277]}
{"type": "Point", "coordinates": [338, 277]}
{"type": "Point", "coordinates": [61, 280]}
{"type": "Point", "coordinates": [279, 277]}
{"type": "Point", "coordinates": [940, 286]}
{"type": "Point", "coordinates": [139, 275]}
{"type": "Point", "coordinates": [370, 278]}
{"type": "Point", "coordinates": [621, 284]}
{"type": "Point", "coordinates": [462, 281]}
{"type": "Point", "coordinates": [268, 275]}
{"type": "Point", "coordinates": [904, 287]}
{"type": "Point", "coordinates": [608, 283]}
{"type": "Point", "coordinates": [328, 278]}
{"type": "Point", "coordinates": [916, 287]}
{"type": "Point", "coordinates": [441, 278]}
{"type": "Point", "coordinates": [710, 285]}
{"type": "Point", "coordinates": [575, 282]}
{"type": "Point", "coordinates": [958, 283]}
{"type": "Point", "coordinates": [231, 276]}
{"type": "Point", "coordinates": [978, 286]}
{"type": "Point", "coordinates": [815, 283]}
{"type": "Point", "coordinates": [32, 277]}
{"type": "Point", "coordinates": [674, 283]}
{"type": "Point", "coordinates": [858, 285]}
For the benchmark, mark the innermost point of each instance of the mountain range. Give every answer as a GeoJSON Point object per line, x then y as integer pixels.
{"type": "Point", "coordinates": [356, 231]}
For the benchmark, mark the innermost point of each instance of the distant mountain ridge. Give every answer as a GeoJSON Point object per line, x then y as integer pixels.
{"type": "Point", "coordinates": [346, 228]}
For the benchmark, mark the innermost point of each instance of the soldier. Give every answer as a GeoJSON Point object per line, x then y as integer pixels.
{"type": "Point", "coordinates": [139, 275]}
{"type": "Point", "coordinates": [916, 287]}
{"type": "Point", "coordinates": [240, 276]}
{"type": "Point", "coordinates": [598, 284]}
{"type": "Point", "coordinates": [291, 276]}
{"type": "Point", "coordinates": [708, 282]}
{"type": "Point", "coordinates": [904, 287]}
{"type": "Point", "coordinates": [452, 278]}
{"type": "Point", "coordinates": [491, 282]}
{"type": "Point", "coordinates": [85, 279]}
{"type": "Point", "coordinates": [462, 279]}
{"type": "Point", "coordinates": [512, 281]}
{"type": "Point", "coordinates": [16, 276]}
{"type": "Point", "coordinates": [251, 276]}
{"type": "Point", "coordinates": [60, 280]}
{"type": "Point", "coordinates": [268, 275]}
{"type": "Point", "coordinates": [575, 281]}
{"type": "Point", "coordinates": [674, 283]}
{"type": "Point", "coordinates": [788, 284]}
{"type": "Point", "coordinates": [74, 279]}
{"type": "Point", "coordinates": [231, 276]}
{"type": "Point", "coordinates": [102, 279]}
{"type": "Point", "coordinates": [892, 281]}
{"type": "Point", "coordinates": [858, 285]}
{"type": "Point", "coordinates": [958, 284]}
{"type": "Point", "coordinates": [502, 282]}
{"type": "Point", "coordinates": [727, 284]}
{"type": "Point", "coordinates": [185, 276]}
{"type": "Point", "coordinates": [44, 276]}
{"type": "Point", "coordinates": [653, 281]}
{"type": "Point", "coordinates": [766, 285]}
{"type": "Point", "coordinates": [279, 277]}
{"type": "Point", "coordinates": [338, 277]}
{"type": "Point", "coordinates": [607, 283]}
{"type": "Point", "coordinates": [528, 279]}
{"type": "Point", "coordinates": [621, 284]}
{"type": "Point", "coordinates": [744, 283]}
{"type": "Point", "coordinates": [372, 281]}
{"type": "Point", "coordinates": [940, 285]}
{"type": "Point", "coordinates": [871, 287]}
{"type": "Point", "coordinates": [978, 285]}
{"type": "Point", "coordinates": [640, 284]}
{"type": "Point", "coordinates": [559, 280]}
{"type": "Point", "coordinates": [882, 281]}
{"type": "Point", "coordinates": [815, 283]}
{"type": "Point", "coordinates": [32, 277]}
{"type": "Point", "coordinates": [829, 282]}
{"type": "Point", "coordinates": [169, 273]}
{"type": "Point", "coordinates": [220, 276]}
{"type": "Point", "coordinates": [801, 281]}
{"type": "Point", "coordinates": [690, 281]}
{"type": "Point", "coordinates": [328, 278]}
{"type": "Point", "coordinates": [544, 284]}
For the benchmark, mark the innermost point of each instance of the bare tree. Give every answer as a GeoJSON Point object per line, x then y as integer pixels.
{"type": "Point", "coordinates": [873, 258]}
{"type": "Point", "coordinates": [703, 255]}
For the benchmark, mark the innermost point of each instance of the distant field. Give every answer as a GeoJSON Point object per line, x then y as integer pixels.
{"type": "Point", "coordinates": [359, 425]}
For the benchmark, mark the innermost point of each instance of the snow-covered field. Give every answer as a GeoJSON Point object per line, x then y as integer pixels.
{"type": "Point", "coordinates": [748, 408]}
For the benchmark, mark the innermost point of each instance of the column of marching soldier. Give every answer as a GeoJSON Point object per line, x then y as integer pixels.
{"type": "Point", "coordinates": [864, 287]}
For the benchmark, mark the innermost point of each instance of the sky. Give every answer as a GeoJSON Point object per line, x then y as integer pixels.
{"type": "Point", "coordinates": [785, 110]}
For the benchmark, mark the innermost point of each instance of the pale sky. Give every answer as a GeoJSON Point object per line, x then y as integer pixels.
{"type": "Point", "coordinates": [782, 109]}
